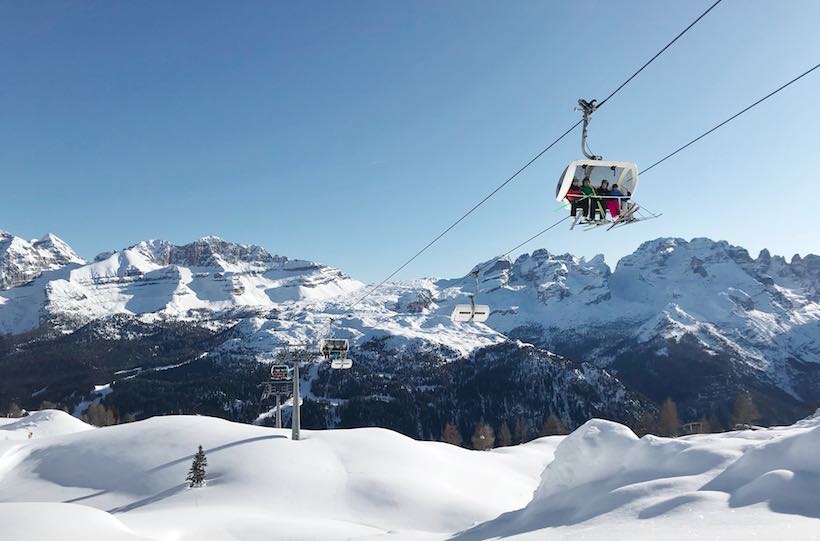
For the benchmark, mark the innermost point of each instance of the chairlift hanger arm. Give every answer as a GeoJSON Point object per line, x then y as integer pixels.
{"type": "Point", "coordinates": [588, 107]}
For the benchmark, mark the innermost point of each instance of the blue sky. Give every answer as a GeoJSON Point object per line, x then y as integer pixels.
{"type": "Point", "coordinates": [353, 132]}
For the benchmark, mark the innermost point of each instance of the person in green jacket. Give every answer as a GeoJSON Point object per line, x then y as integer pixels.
{"type": "Point", "coordinates": [589, 193]}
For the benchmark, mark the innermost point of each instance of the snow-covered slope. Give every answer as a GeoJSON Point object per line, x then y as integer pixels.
{"type": "Point", "coordinates": [338, 484]}
{"type": "Point", "coordinates": [21, 260]}
{"type": "Point", "coordinates": [763, 313]}
{"type": "Point", "coordinates": [40, 424]}
{"type": "Point", "coordinates": [601, 482]}
{"type": "Point", "coordinates": [201, 280]}
{"type": "Point", "coordinates": [605, 483]}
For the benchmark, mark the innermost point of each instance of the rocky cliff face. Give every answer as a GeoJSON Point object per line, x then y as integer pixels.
{"type": "Point", "coordinates": [22, 260]}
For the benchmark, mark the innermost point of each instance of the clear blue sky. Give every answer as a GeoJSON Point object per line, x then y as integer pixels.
{"type": "Point", "coordinates": [353, 132]}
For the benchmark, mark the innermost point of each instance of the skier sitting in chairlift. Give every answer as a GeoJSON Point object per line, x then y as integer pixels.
{"type": "Point", "coordinates": [599, 203]}
{"type": "Point", "coordinates": [576, 199]}
{"type": "Point", "coordinates": [588, 191]}
{"type": "Point", "coordinates": [614, 205]}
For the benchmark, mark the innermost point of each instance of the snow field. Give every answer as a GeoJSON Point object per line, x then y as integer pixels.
{"type": "Point", "coordinates": [601, 482]}
{"type": "Point", "coordinates": [604, 482]}
{"type": "Point", "coordinates": [336, 484]}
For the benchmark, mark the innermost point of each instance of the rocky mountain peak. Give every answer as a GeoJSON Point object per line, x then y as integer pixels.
{"type": "Point", "coordinates": [22, 260]}
{"type": "Point", "coordinates": [213, 251]}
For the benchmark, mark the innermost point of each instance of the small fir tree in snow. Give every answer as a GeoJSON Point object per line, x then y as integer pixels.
{"type": "Point", "coordinates": [483, 437]}
{"type": "Point", "coordinates": [451, 435]}
{"type": "Point", "coordinates": [553, 426]}
{"type": "Point", "coordinates": [670, 424]}
{"type": "Point", "coordinates": [196, 475]}
{"type": "Point", "coordinates": [504, 435]}
{"type": "Point", "coordinates": [744, 412]}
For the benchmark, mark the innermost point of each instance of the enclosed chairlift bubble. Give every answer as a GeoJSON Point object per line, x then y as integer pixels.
{"type": "Point", "coordinates": [596, 169]}
{"type": "Point", "coordinates": [624, 174]}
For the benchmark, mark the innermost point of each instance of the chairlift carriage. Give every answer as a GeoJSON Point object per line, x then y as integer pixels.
{"type": "Point", "coordinates": [623, 209]}
{"type": "Point", "coordinates": [335, 350]}
{"type": "Point", "coordinates": [463, 313]}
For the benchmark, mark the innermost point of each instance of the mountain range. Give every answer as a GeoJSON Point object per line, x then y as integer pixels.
{"type": "Point", "coordinates": [184, 328]}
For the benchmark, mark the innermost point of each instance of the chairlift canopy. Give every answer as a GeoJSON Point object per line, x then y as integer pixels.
{"type": "Point", "coordinates": [624, 174]}
{"type": "Point", "coordinates": [334, 348]}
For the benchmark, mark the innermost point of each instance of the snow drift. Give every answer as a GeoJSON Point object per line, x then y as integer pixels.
{"type": "Point", "coordinates": [127, 483]}
{"type": "Point", "coordinates": [337, 484]}
{"type": "Point", "coordinates": [608, 483]}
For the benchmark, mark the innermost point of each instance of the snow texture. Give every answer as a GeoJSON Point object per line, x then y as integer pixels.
{"type": "Point", "coordinates": [601, 482]}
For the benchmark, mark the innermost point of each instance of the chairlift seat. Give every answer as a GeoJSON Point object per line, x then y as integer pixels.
{"type": "Point", "coordinates": [341, 364]}
{"type": "Point", "coordinates": [463, 313]}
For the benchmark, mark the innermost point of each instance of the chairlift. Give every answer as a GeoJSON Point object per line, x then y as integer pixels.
{"type": "Point", "coordinates": [280, 372]}
{"type": "Point", "coordinates": [463, 313]}
{"type": "Point", "coordinates": [622, 209]}
{"type": "Point", "coordinates": [335, 350]}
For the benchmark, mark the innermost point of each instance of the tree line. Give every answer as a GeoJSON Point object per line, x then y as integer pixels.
{"type": "Point", "coordinates": [665, 423]}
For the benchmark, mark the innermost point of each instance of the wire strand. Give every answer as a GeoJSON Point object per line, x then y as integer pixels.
{"type": "Point", "coordinates": [536, 157]}
{"type": "Point", "coordinates": [564, 219]}
{"type": "Point", "coordinates": [698, 138]}
{"type": "Point", "coordinates": [475, 207]}
{"type": "Point", "coordinates": [701, 136]}
{"type": "Point", "coordinates": [685, 30]}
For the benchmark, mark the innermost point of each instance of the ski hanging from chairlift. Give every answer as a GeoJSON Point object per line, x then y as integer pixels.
{"type": "Point", "coordinates": [593, 187]}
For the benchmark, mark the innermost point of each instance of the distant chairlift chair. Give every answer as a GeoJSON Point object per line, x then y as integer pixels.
{"type": "Point", "coordinates": [335, 350]}
{"type": "Point", "coordinates": [464, 313]}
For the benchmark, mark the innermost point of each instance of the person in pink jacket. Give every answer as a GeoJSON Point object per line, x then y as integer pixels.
{"type": "Point", "coordinates": [614, 204]}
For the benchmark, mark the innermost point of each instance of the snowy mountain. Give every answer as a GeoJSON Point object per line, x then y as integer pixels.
{"type": "Point", "coordinates": [700, 321]}
{"type": "Point", "coordinates": [22, 260]}
{"type": "Point", "coordinates": [205, 279]}
{"type": "Point", "coordinates": [670, 308]}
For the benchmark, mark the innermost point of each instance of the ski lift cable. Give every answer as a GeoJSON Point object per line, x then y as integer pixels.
{"type": "Point", "coordinates": [685, 30]}
{"type": "Point", "coordinates": [536, 157]}
{"type": "Point", "coordinates": [758, 102]}
{"type": "Point", "coordinates": [565, 218]}
{"type": "Point", "coordinates": [696, 139]}
{"type": "Point", "coordinates": [464, 216]}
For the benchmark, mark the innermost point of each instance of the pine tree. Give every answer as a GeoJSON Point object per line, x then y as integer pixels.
{"type": "Point", "coordinates": [522, 431]}
{"type": "Point", "coordinates": [669, 423]}
{"type": "Point", "coordinates": [196, 475]}
{"type": "Point", "coordinates": [553, 426]}
{"type": "Point", "coordinates": [47, 405]}
{"type": "Point", "coordinates": [99, 415]}
{"type": "Point", "coordinates": [744, 412]}
{"type": "Point", "coordinates": [451, 435]}
{"type": "Point", "coordinates": [15, 410]}
{"type": "Point", "coordinates": [483, 437]}
{"type": "Point", "coordinates": [504, 435]}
